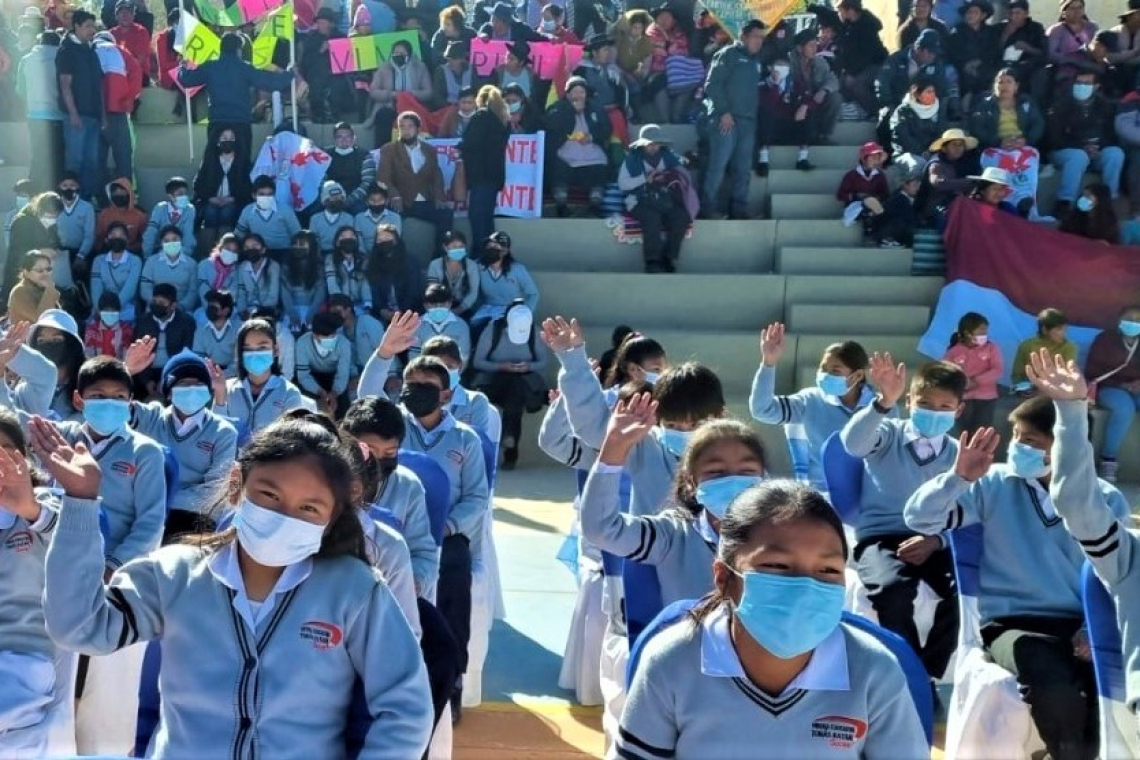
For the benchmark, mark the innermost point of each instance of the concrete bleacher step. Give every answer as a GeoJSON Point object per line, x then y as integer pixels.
{"type": "Point", "coordinates": [884, 319]}
{"type": "Point", "coordinates": [805, 206]}
{"type": "Point", "coordinates": [822, 156]}
{"type": "Point", "coordinates": [815, 182]}
{"type": "Point", "coordinates": [802, 260]}
{"type": "Point", "coordinates": [866, 291]}
{"type": "Point", "coordinates": [816, 233]}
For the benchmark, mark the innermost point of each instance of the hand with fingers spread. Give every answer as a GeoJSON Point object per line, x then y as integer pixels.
{"type": "Point", "coordinates": [1056, 378]}
{"type": "Point", "coordinates": [140, 355]}
{"type": "Point", "coordinates": [217, 381]}
{"type": "Point", "coordinates": [16, 490]}
{"type": "Point", "coordinates": [561, 335]}
{"type": "Point", "coordinates": [400, 334]}
{"type": "Point", "coordinates": [772, 344]}
{"type": "Point", "coordinates": [976, 453]}
{"type": "Point", "coordinates": [16, 336]}
{"type": "Point", "coordinates": [888, 378]}
{"type": "Point", "coordinates": [629, 425]}
{"type": "Point", "coordinates": [73, 467]}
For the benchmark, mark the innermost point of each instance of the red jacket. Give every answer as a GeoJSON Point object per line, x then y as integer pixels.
{"type": "Point", "coordinates": [107, 341]}
{"type": "Point", "coordinates": [120, 92]}
{"type": "Point", "coordinates": [167, 58]}
{"type": "Point", "coordinates": [136, 39]}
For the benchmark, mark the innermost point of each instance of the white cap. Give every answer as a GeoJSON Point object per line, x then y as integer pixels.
{"type": "Point", "coordinates": [519, 321]}
{"type": "Point", "coordinates": [60, 320]}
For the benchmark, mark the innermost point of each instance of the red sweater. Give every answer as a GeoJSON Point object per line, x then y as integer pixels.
{"type": "Point", "coordinates": [136, 39]}
{"type": "Point", "coordinates": [107, 341]}
{"type": "Point", "coordinates": [856, 186]}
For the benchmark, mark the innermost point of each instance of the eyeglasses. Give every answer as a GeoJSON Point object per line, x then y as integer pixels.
{"type": "Point", "coordinates": [42, 271]}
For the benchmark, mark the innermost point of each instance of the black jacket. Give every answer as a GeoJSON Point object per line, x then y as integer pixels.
{"type": "Point", "coordinates": [984, 121]}
{"type": "Point", "coordinates": [1072, 125]}
{"type": "Point", "coordinates": [397, 271]}
{"type": "Point", "coordinates": [909, 31]}
{"type": "Point", "coordinates": [560, 120]}
{"type": "Point", "coordinates": [859, 45]}
{"type": "Point", "coordinates": [179, 333]}
{"type": "Point", "coordinates": [894, 78]}
{"type": "Point", "coordinates": [483, 149]}
{"type": "Point", "coordinates": [209, 180]}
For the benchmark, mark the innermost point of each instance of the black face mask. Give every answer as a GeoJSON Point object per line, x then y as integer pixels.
{"type": "Point", "coordinates": [377, 210]}
{"type": "Point", "coordinates": [120, 200]}
{"type": "Point", "coordinates": [227, 147]}
{"type": "Point", "coordinates": [491, 256]}
{"type": "Point", "coordinates": [254, 254]}
{"type": "Point", "coordinates": [399, 60]}
{"type": "Point", "coordinates": [69, 194]}
{"type": "Point", "coordinates": [420, 399]}
{"type": "Point", "coordinates": [55, 351]}
{"type": "Point", "coordinates": [348, 246]}
{"type": "Point", "coordinates": [116, 244]}
{"type": "Point", "coordinates": [299, 253]}
{"type": "Point", "coordinates": [213, 312]}
{"type": "Point", "coordinates": [159, 310]}
{"type": "Point", "coordinates": [386, 465]}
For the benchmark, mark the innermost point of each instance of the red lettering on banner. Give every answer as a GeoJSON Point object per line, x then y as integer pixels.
{"type": "Point", "coordinates": [519, 197]}
{"type": "Point", "coordinates": [522, 151]}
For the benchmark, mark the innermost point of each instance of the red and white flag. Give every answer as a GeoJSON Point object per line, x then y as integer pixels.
{"type": "Point", "coordinates": [297, 164]}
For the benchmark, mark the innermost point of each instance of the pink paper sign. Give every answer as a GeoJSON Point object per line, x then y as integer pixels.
{"type": "Point", "coordinates": [545, 57]}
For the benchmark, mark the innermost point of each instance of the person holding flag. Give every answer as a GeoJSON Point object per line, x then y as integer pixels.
{"type": "Point", "coordinates": [228, 80]}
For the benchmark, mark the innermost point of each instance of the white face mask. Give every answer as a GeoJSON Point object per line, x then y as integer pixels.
{"type": "Point", "coordinates": [274, 539]}
{"type": "Point", "coordinates": [344, 151]}
{"type": "Point", "coordinates": [266, 202]}
{"type": "Point", "coordinates": [780, 73]}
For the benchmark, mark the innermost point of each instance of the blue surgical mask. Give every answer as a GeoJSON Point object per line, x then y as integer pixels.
{"type": "Point", "coordinates": [190, 399]}
{"type": "Point", "coordinates": [1082, 91]}
{"type": "Point", "coordinates": [548, 26]}
{"type": "Point", "coordinates": [717, 494]}
{"type": "Point", "coordinates": [257, 362]}
{"type": "Point", "coordinates": [651, 377]}
{"type": "Point", "coordinates": [1085, 203]}
{"type": "Point", "coordinates": [172, 248]}
{"type": "Point", "coordinates": [274, 539]}
{"type": "Point", "coordinates": [931, 424]}
{"type": "Point", "coordinates": [109, 318]}
{"type": "Point", "coordinates": [457, 254]}
{"type": "Point", "coordinates": [831, 385]}
{"type": "Point", "coordinates": [453, 375]}
{"type": "Point", "coordinates": [1129, 329]}
{"type": "Point", "coordinates": [181, 202]}
{"type": "Point", "coordinates": [106, 416]}
{"type": "Point", "coordinates": [789, 615]}
{"type": "Point", "coordinates": [1026, 461]}
{"type": "Point", "coordinates": [437, 314]}
{"type": "Point", "coordinates": [674, 441]}
{"type": "Point", "coordinates": [326, 345]}
{"type": "Point", "coordinates": [514, 107]}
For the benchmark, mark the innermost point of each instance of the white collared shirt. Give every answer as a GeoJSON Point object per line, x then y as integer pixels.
{"type": "Point", "coordinates": [192, 422]}
{"type": "Point", "coordinates": [1043, 498]}
{"type": "Point", "coordinates": [416, 156]}
{"type": "Point", "coordinates": [926, 448]}
{"type": "Point", "coordinates": [225, 567]}
{"type": "Point", "coordinates": [164, 323]}
{"type": "Point", "coordinates": [705, 528]}
{"type": "Point", "coordinates": [98, 447]}
{"type": "Point", "coordinates": [172, 263]}
{"type": "Point", "coordinates": [431, 436]}
{"type": "Point", "coordinates": [826, 670]}
{"type": "Point", "coordinates": [219, 333]}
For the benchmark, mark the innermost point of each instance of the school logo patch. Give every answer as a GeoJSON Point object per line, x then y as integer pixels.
{"type": "Point", "coordinates": [455, 456]}
{"type": "Point", "coordinates": [322, 635]}
{"type": "Point", "coordinates": [206, 446]}
{"type": "Point", "coordinates": [19, 542]}
{"type": "Point", "coordinates": [838, 731]}
{"type": "Point", "coordinates": [123, 468]}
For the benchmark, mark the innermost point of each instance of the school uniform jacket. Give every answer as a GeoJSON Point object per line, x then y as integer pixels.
{"type": "Point", "coordinates": [183, 275]}
{"type": "Point", "coordinates": [402, 494]}
{"type": "Point", "coordinates": [163, 215]}
{"type": "Point", "coordinates": [388, 553]}
{"type": "Point", "coordinates": [23, 549]}
{"type": "Point", "coordinates": [277, 397]}
{"type": "Point", "coordinates": [35, 390]}
{"type": "Point", "coordinates": [122, 279]}
{"type": "Point", "coordinates": [262, 288]}
{"type": "Point", "coordinates": [233, 689]}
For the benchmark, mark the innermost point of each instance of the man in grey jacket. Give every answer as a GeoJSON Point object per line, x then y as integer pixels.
{"type": "Point", "coordinates": [731, 104]}
{"type": "Point", "coordinates": [820, 86]}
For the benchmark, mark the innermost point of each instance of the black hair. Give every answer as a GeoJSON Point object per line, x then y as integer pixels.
{"type": "Point", "coordinates": [706, 436]}
{"type": "Point", "coordinates": [429, 365]}
{"type": "Point", "coordinates": [411, 116]}
{"type": "Point", "coordinates": [378, 188]}
{"type": "Point", "coordinates": [437, 292]}
{"type": "Point", "coordinates": [165, 290]}
{"type": "Point", "coordinates": [620, 333]}
{"type": "Point", "coordinates": [306, 272]}
{"type": "Point", "coordinates": [1037, 412]}
{"type": "Point", "coordinates": [923, 82]}
{"type": "Point", "coordinates": [102, 368]}
{"type": "Point", "coordinates": [442, 347]}
{"type": "Point", "coordinates": [176, 183]}
{"type": "Point", "coordinates": [374, 415]}
{"type": "Point", "coordinates": [117, 226]}
{"type": "Point", "coordinates": [851, 355]}
{"type": "Point", "coordinates": [264, 182]}
{"type": "Point", "coordinates": [109, 300]}
{"type": "Point", "coordinates": [454, 236]}
{"type": "Point", "coordinates": [222, 298]}
{"type": "Point", "coordinates": [635, 349]}
{"type": "Point", "coordinates": [770, 503]}
{"type": "Point", "coordinates": [231, 43]}
{"type": "Point", "coordinates": [255, 237]}
{"type": "Point", "coordinates": [379, 259]}
{"type": "Point", "coordinates": [326, 323]}
{"type": "Point", "coordinates": [940, 375]}
{"type": "Point", "coordinates": [339, 300]}
{"type": "Point", "coordinates": [255, 325]}
{"type": "Point", "coordinates": [1050, 319]}
{"type": "Point", "coordinates": [338, 255]}
{"type": "Point", "coordinates": [68, 176]}
{"type": "Point", "coordinates": [688, 392]}
{"type": "Point", "coordinates": [10, 426]}
{"type": "Point", "coordinates": [81, 17]}
{"type": "Point", "coordinates": [45, 202]}
{"type": "Point", "coordinates": [341, 126]}
{"type": "Point", "coordinates": [28, 262]}
{"type": "Point", "coordinates": [168, 229]}
{"type": "Point", "coordinates": [969, 322]}
{"type": "Point", "coordinates": [407, 46]}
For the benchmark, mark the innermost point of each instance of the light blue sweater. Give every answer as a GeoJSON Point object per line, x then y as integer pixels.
{"type": "Point", "coordinates": [205, 453]}
{"type": "Point", "coordinates": [282, 689]}
{"type": "Point", "coordinates": [310, 360]}
{"type": "Point", "coordinates": [366, 224]}
{"type": "Point", "coordinates": [498, 289]}
{"type": "Point", "coordinates": [261, 289]}
{"type": "Point", "coordinates": [325, 229]}
{"type": "Point", "coordinates": [276, 228]}
{"type": "Point", "coordinates": [208, 279]}
{"type": "Point", "coordinates": [454, 328]}
{"type": "Point", "coordinates": [402, 494]}
{"type": "Point", "coordinates": [23, 549]}
{"type": "Point", "coordinates": [121, 279]}
{"type": "Point", "coordinates": [221, 348]}
{"type": "Point", "coordinates": [277, 397]}
{"type": "Point", "coordinates": [35, 389]}
{"type": "Point", "coordinates": [76, 227]}
{"type": "Point", "coordinates": [160, 217]}
{"type": "Point", "coordinates": [1030, 565]}
{"type": "Point", "coordinates": [892, 470]}
{"type": "Point", "coordinates": [365, 336]}
{"type": "Point", "coordinates": [183, 275]}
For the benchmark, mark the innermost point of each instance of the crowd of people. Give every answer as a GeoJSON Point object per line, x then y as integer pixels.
{"type": "Point", "coordinates": [222, 414]}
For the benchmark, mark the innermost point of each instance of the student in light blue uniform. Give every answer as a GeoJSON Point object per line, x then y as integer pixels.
{"type": "Point", "coordinates": [216, 338]}
{"type": "Point", "coordinates": [324, 363]}
{"type": "Point", "coordinates": [56, 336]}
{"type": "Point", "coordinates": [332, 217]}
{"type": "Point", "coordinates": [344, 270]}
{"type": "Point", "coordinates": [259, 394]}
{"type": "Point", "coordinates": [29, 378]}
{"type": "Point", "coordinates": [376, 213]}
{"type": "Point", "coordinates": [763, 668]}
{"type": "Point", "coordinates": [172, 264]}
{"type": "Point", "coordinates": [258, 277]}
{"type": "Point", "coordinates": [117, 271]}
{"type": "Point", "coordinates": [303, 287]}
{"type": "Point", "coordinates": [27, 653]}
{"type": "Point", "coordinates": [176, 211]}
{"type": "Point", "coordinates": [898, 457]}
{"type": "Point", "coordinates": [275, 224]}
{"type": "Point", "coordinates": [1032, 618]}
{"type": "Point", "coordinates": [218, 271]}
{"type": "Point", "coordinates": [363, 331]}
{"type": "Point", "coordinates": [202, 441]}
{"type": "Point", "coordinates": [811, 415]}
{"type": "Point", "coordinates": [300, 613]}
{"type": "Point", "coordinates": [379, 425]}
{"type": "Point", "coordinates": [466, 405]}
{"type": "Point", "coordinates": [457, 272]}
{"type": "Point", "coordinates": [76, 225]}
{"type": "Point", "coordinates": [502, 280]}
{"type": "Point", "coordinates": [440, 320]}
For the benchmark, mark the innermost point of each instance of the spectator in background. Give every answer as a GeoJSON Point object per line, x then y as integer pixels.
{"type": "Point", "coordinates": [895, 228]}
{"type": "Point", "coordinates": [920, 19]}
{"type": "Point", "coordinates": [457, 271]}
{"type": "Point", "coordinates": [671, 102]}
{"type": "Point", "coordinates": [971, 349]}
{"type": "Point", "coordinates": [117, 272]}
{"type": "Point", "coordinates": [973, 50]}
{"type": "Point", "coordinates": [516, 70]}
{"type": "Point", "coordinates": [303, 287]}
{"type": "Point", "coordinates": [1127, 127]}
{"type": "Point", "coordinates": [324, 224]}
{"type": "Point", "coordinates": [393, 275]}
{"type": "Point", "coordinates": [454, 77]}
{"type": "Point", "coordinates": [505, 28]}
{"type": "Point", "coordinates": [344, 269]}
{"type": "Point", "coordinates": [819, 99]}
{"type": "Point", "coordinates": [502, 280]}
{"type": "Point", "coordinates": [1125, 57]}
{"type": "Point", "coordinates": [328, 95]}
{"type": "Point", "coordinates": [863, 191]}
{"type": "Point", "coordinates": [221, 185]}
{"type": "Point", "coordinates": [381, 17]}
{"type": "Point", "coordinates": [81, 91]}
{"type": "Point", "coordinates": [1023, 47]}
{"type": "Point", "coordinates": [274, 224]}
{"type": "Point", "coordinates": [523, 116]}
{"type": "Point", "coordinates": [175, 211]}
{"type": "Point", "coordinates": [376, 212]}
{"type": "Point", "coordinates": [258, 277]}
{"type": "Point", "coordinates": [410, 167]}
{"type": "Point", "coordinates": [645, 177]}
{"type": "Point", "coordinates": [918, 121]}
{"type": "Point", "coordinates": [578, 136]}
{"type": "Point", "coordinates": [1092, 216]}
{"type": "Point", "coordinates": [34, 229]}
{"type": "Point", "coordinates": [634, 53]}
{"type": "Point", "coordinates": [859, 52]}
{"type": "Point", "coordinates": [22, 192]}
{"type": "Point", "coordinates": [122, 209]}
{"type": "Point", "coordinates": [350, 166]}
{"type": "Point", "coordinates": [173, 265]}
{"type": "Point", "coordinates": [482, 152]}
{"type": "Point", "coordinates": [35, 292]}
{"type": "Point", "coordinates": [605, 80]}
{"type": "Point", "coordinates": [993, 187]}
{"type": "Point", "coordinates": [946, 175]}
{"type": "Point", "coordinates": [923, 59]}
{"type": "Point", "coordinates": [1051, 335]}
{"type": "Point", "coordinates": [552, 26]}
{"type": "Point", "coordinates": [139, 13]}
{"type": "Point", "coordinates": [38, 84]}
{"type": "Point", "coordinates": [453, 29]}
{"type": "Point", "coordinates": [776, 118]}
{"type": "Point", "coordinates": [732, 101]}
{"type": "Point", "coordinates": [108, 334]}
{"type": "Point", "coordinates": [1071, 34]}
{"type": "Point", "coordinates": [401, 73]}
{"type": "Point", "coordinates": [440, 319]}
{"type": "Point", "coordinates": [458, 116]}
{"type": "Point", "coordinates": [169, 60]}
{"type": "Point", "coordinates": [1005, 118]}
{"type": "Point", "coordinates": [1113, 364]}
{"type": "Point", "coordinates": [1081, 132]}
{"type": "Point", "coordinates": [76, 231]}
{"type": "Point", "coordinates": [133, 37]}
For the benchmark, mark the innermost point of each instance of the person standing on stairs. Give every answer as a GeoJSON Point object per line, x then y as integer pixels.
{"type": "Point", "coordinates": [732, 102]}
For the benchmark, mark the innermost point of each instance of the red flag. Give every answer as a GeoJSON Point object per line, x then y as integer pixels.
{"type": "Point", "coordinates": [431, 122]}
{"type": "Point", "coordinates": [558, 82]}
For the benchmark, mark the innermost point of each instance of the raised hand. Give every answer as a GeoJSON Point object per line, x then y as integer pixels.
{"type": "Point", "coordinates": [73, 467]}
{"type": "Point", "coordinates": [630, 424]}
{"type": "Point", "coordinates": [772, 344]}
{"type": "Point", "coordinates": [16, 491]}
{"type": "Point", "coordinates": [400, 335]}
{"type": "Point", "coordinates": [217, 381]}
{"type": "Point", "coordinates": [561, 335]}
{"type": "Point", "coordinates": [139, 356]}
{"type": "Point", "coordinates": [976, 454]}
{"type": "Point", "coordinates": [888, 378]}
{"type": "Point", "coordinates": [16, 336]}
{"type": "Point", "coordinates": [1056, 378]}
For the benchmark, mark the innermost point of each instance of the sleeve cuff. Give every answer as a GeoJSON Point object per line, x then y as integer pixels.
{"type": "Point", "coordinates": [78, 516]}
{"type": "Point", "coordinates": [608, 469]}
